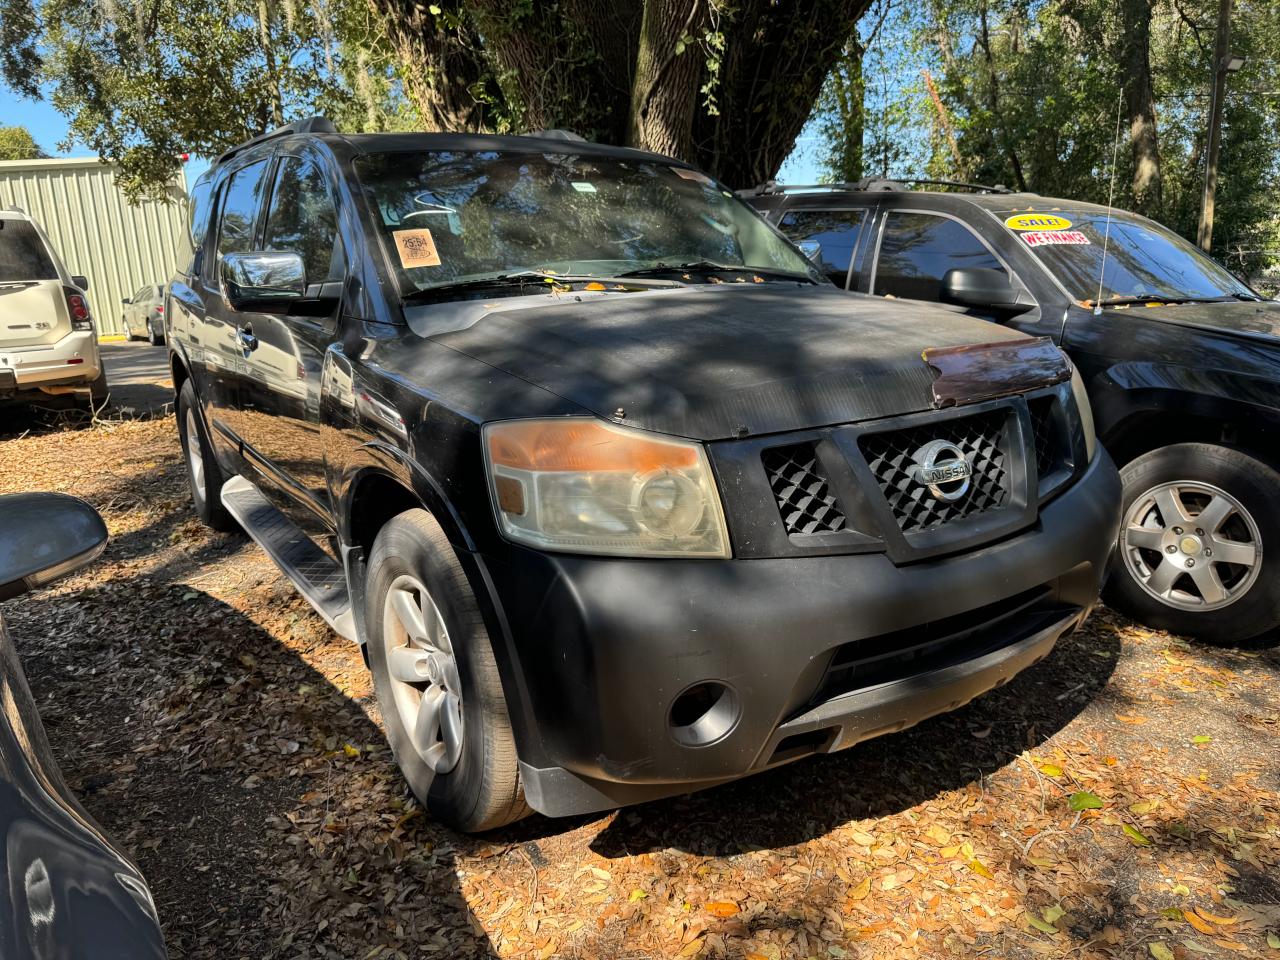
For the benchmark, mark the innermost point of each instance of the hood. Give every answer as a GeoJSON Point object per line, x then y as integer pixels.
{"type": "Point", "coordinates": [717, 361]}
{"type": "Point", "coordinates": [1230, 316]}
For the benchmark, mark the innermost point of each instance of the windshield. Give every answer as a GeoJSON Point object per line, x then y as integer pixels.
{"type": "Point", "coordinates": [23, 255]}
{"type": "Point", "coordinates": [452, 216]}
{"type": "Point", "coordinates": [1144, 260]}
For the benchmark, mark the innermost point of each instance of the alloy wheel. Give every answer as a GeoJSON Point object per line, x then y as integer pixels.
{"type": "Point", "coordinates": [195, 461]}
{"type": "Point", "coordinates": [426, 688]}
{"type": "Point", "coordinates": [1191, 545]}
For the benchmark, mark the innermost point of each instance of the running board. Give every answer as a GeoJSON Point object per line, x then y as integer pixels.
{"type": "Point", "coordinates": [318, 577]}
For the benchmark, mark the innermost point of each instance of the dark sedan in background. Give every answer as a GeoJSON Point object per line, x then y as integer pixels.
{"type": "Point", "coordinates": [1180, 358]}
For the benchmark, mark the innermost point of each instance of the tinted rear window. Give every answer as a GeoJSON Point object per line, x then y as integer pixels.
{"type": "Point", "coordinates": [23, 255]}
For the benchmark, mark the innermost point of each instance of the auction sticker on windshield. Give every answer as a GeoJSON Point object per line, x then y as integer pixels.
{"type": "Point", "coordinates": [1046, 238]}
{"type": "Point", "coordinates": [1037, 221]}
{"type": "Point", "coordinates": [417, 248]}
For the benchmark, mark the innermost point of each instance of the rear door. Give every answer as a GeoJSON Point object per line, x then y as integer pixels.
{"type": "Point", "coordinates": [280, 408]}
{"type": "Point", "coordinates": [836, 233]}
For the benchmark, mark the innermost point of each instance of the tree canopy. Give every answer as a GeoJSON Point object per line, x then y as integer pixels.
{"type": "Point", "coordinates": [1040, 96]}
{"type": "Point", "coordinates": [143, 83]}
{"type": "Point", "coordinates": [16, 143]}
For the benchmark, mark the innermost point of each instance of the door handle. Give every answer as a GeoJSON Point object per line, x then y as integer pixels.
{"type": "Point", "coordinates": [246, 338]}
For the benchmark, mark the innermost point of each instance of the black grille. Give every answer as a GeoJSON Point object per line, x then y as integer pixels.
{"type": "Point", "coordinates": [1045, 431]}
{"type": "Point", "coordinates": [800, 486]}
{"type": "Point", "coordinates": [979, 437]}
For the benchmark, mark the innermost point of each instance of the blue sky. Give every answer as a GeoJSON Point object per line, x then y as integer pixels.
{"type": "Point", "coordinates": [49, 128]}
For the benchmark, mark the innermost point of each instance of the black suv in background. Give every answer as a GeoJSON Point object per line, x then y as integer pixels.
{"type": "Point", "coordinates": [1181, 361]}
{"type": "Point", "coordinates": [621, 499]}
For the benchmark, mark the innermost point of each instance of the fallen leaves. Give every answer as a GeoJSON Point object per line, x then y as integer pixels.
{"type": "Point", "coordinates": [721, 908]}
{"type": "Point", "coordinates": [1084, 800]}
{"type": "Point", "coordinates": [930, 843]}
{"type": "Point", "coordinates": [1136, 836]}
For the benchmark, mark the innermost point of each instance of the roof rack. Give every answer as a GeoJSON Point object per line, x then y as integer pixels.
{"type": "Point", "coordinates": [866, 185]}
{"type": "Point", "coordinates": [309, 125]}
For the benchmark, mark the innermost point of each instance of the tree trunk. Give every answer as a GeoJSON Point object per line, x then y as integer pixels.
{"type": "Point", "coordinates": [268, 54]}
{"type": "Point", "coordinates": [776, 57]}
{"type": "Point", "coordinates": [848, 91]}
{"type": "Point", "coordinates": [664, 94]}
{"type": "Point", "coordinates": [993, 104]}
{"type": "Point", "coordinates": [582, 64]}
{"type": "Point", "coordinates": [1140, 105]}
{"type": "Point", "coordinates": [440, 64]}
{"type": "Point", "coordinates": [563, 63]}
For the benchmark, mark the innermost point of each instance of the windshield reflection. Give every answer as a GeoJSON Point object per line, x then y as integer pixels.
{"type": "Point", "coordinates": [1143, 260]}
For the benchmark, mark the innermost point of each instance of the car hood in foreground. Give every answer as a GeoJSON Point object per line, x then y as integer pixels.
{"type": "Point", "coordinates": [717, 361]}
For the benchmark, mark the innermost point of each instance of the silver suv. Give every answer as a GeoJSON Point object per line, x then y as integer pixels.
{"type": "Point", "coordinates": [48, 345]}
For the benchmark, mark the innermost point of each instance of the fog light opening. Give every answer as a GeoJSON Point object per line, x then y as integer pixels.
{"type": "Point", "coordinates": [703, 713]}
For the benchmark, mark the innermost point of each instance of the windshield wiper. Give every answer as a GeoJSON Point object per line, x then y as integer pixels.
{"type": "Point", "coordinates": [710, 266]}
{"type": "Point", "coordinates": [524, 278]}
{"type": "Point", "coordinates": [1154, 298]}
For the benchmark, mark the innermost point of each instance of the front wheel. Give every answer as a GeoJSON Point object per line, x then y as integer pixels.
{"type": "Point", "coordinates": [1197, 522]}
{"type": "Point", "coordinates": [203, 473]}
{"type": "Point", "coordinates": [436, 679]}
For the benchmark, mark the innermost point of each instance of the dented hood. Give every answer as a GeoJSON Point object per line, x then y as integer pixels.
{"type": "Point", "coordinates": [717, 361]}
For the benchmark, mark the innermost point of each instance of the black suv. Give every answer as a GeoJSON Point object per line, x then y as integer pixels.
{"type": "Point", "coordinates": [620, 497]}
{"type": "Point", "coordinates": [1181, 361]}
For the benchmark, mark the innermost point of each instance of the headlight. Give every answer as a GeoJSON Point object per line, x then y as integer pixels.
{"type": "Point", "coordinates": [1086, 413]}
{"type": "Point", "coordinates": [586, 486]}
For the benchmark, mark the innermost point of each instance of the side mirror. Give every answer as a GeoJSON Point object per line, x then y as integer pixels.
{"type": "Point", "coordinates": [263, 281]}
{"type": "Point", "coordinates": [44, 536]}
{"type": "Point", "coordinates": [978, 287]}
{"type": "Point", "coordinates": [811, 249]}
{"type": "Point", "coordinates": [81, 282]}
{"type": "Point", "coordinates": [125, 300]}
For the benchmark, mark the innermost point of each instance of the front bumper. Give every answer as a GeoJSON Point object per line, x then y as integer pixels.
{"type": "Point", "coordinates": [48, 367]}
{"type": "Point", "coordinates": [815, 653]}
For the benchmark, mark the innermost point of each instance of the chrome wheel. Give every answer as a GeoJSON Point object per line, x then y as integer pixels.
{"type": "Point", "coordinates": [1191, 545]}
{"type": "Point", "coordinates": [426, 689]}
{"type": "Point", "coordinates": [195, 460]}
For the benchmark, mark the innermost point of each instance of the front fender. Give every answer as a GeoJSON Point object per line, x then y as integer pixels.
{"type": "Point", "coordinates": [1124, 391]}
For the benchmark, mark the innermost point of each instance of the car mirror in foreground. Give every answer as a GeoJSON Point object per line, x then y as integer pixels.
{"type": "Point", "coordinates": [979, 287]}
{"type": "Point", "coordinates": [263, 281]}
{"type": "Point", "coordinates": [44, 536]}
{"type": "Point", "coordinates": [81, 282]}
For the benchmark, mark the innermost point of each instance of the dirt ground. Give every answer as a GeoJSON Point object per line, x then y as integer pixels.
{"type": "Point", "coordinates": [1119, 800]}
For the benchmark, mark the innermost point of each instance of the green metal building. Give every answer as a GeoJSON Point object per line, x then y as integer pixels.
{"type": "Point", "coordinates": [119, 246]}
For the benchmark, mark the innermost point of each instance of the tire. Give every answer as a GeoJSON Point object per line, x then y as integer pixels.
{"type": "Point", "coordinates": [203, 473]}
{"type": "Point", "coordinates": [155, 339]}
{"type": "Point", "coordinates": [480, 789]}
{"type": "Point", "coordinates": [1212, 599]}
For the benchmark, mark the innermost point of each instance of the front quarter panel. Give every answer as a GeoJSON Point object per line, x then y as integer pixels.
{"type": "Point", "coordinates": [1134, 366]}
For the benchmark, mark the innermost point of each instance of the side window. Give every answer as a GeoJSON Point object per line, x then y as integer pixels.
{"type": "Point", "coordinates": [198, 223]}
{"type": "Point", "coordinates": [143, 295]}
{"type": "Point", "coordinates": [836, 233]}
{"type": "Point", "coordinates": [302, 219]}
{"type": "Point", "coordinates": [917, 250]}
{"type": "Point", "coordinates": [239, 209]}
